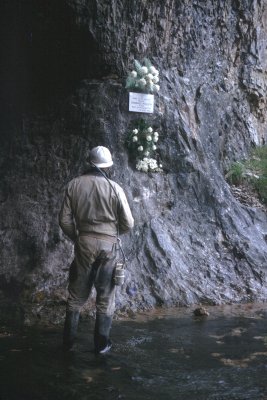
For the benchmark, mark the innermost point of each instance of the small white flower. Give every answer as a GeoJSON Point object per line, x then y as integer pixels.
{"type": "Point", "coordinates": [142, 165]}
{"type": "Point", "coordinates": [149, 77]}
{"type": "Point", "coordinates": [144, 70]}
{"type": "Point", "coordinates": [160, 165]}
{"type": "Point", "coordinates": [146, 153]}
{"type": "Point", "coordinates": [154, 147]}
{"type": "Point", "coordinates": [153, 163]}
{"type": "Point", "coordinates": [157, 87]}
{"type": "Point", "coordinates": [142, 82]}
{"type": "Point", "coordinates": [156, 134]}
{"type": "Point", "coordinates": [155, 79]}
{"type": "Point", "coordinates": [135, 131]}
{"type": "Point", "coordinates": [149, 138]}
{"type": "Point", "coordinates": [134, 74]}
{"type": "Point", "coordinates": [140, 148]}
{"type": "Point", "coordinates": [135, 138]}
{"type": "Point", "coordinates": [149, 129]}
{"type": "Point", "coordinates": [152, 70]}
{"type": "Point", "coordinates": [156, 72]}
{"type": "Point", "coordinates": [155, 139]}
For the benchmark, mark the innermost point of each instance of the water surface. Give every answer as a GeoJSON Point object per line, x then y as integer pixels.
{"type": "Point", "coordinates": [163, 355]}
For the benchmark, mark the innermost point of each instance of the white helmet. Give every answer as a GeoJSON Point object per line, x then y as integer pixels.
{"type": "Point", "coordinates": [100, 157]}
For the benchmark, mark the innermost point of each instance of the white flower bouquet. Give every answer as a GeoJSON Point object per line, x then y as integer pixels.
{"type": "Point", "coordinates": [148, 164]}
{"type": "Point", "coordinates": [144, 78]}
{"type": "Point", "coordinates": [141, 142]}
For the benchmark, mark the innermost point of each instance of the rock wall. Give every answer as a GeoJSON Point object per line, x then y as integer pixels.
{"type": "Point", "coordinates": [63, 93]}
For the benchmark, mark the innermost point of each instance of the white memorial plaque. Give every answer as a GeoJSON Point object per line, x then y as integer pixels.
{"type": "Point", "coordinates": [141, 102]}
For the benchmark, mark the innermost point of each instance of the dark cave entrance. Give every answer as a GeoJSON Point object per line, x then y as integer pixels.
{"type": "Point", "coordinates": [45, 52]}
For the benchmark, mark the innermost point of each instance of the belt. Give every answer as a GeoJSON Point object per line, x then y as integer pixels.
{"type": "Point", "coordinates": [100, 236]}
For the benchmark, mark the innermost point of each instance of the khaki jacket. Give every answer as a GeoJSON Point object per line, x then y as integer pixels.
{"type": "Point", "coordinates": [91, 206]}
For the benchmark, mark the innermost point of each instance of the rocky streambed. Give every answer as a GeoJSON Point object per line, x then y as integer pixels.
{"type": "Point", "coordinates": [162, 354]}
{"type": "Point", "coordinates": [65, 67]}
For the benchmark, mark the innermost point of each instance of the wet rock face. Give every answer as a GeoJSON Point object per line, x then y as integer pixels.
{"type": "Point", "coordinates": [193, 241]}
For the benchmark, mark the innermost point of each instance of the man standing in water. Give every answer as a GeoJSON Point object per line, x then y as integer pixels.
{"type": "Point", "coordinates": [94, 211]}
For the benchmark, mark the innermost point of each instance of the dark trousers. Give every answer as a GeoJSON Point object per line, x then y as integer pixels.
{"type": "Point", "coordinates": [93, 265]}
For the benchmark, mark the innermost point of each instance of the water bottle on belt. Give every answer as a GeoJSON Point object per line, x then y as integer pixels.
{"type": "Point", "coordinates": [119, 274]}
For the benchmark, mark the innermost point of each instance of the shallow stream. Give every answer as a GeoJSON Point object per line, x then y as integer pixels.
{"type": "Point", "coordinates": [163, 355]}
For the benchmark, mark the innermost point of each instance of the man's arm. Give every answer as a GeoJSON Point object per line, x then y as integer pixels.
{"type": "Point", "coordinates": [66, 220]}
{"type": "Point", "coordinates": [126, 221]}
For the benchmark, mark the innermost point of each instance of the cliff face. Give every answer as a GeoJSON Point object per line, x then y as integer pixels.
{"type": "Point", "coordinates": [63, 93]}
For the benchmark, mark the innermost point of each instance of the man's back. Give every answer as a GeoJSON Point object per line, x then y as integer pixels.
{"type": "Point", "coordinates": [97, 205]}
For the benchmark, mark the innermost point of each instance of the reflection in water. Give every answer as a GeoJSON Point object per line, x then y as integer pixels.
{"type": "Point", "coordinates": [167, 354]}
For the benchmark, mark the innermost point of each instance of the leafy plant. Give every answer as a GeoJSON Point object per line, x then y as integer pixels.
{"type": "Point", "coordinates": [252, 171]}
{"type": "Point", "coordinates": [261, 186]}
{"type": "Point", "coordinates": [142, 144]}
{"type": "Point", "coordinates": [143, 78]}
{"type": "Point", "coordinates": [235, 175]}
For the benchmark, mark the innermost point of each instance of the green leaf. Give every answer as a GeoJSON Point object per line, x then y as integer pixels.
{"type": "Point", "coordinates": [147, 62]}
{"type": "Point", "coordinates": [138, 67]}
{"type": "Point", "coordinates": [130, 82]}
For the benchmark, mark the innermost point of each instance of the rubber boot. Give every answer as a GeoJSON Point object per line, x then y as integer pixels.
{"type": "Point", "coordinates": [101, 335]}
{"type": "Point", "coordinates": [70, 329]}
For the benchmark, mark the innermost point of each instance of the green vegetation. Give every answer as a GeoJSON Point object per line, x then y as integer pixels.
{"type": "Point", "coordinates": [235, 175]}
{"type": "Point", "coordinates": [252, 171]}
